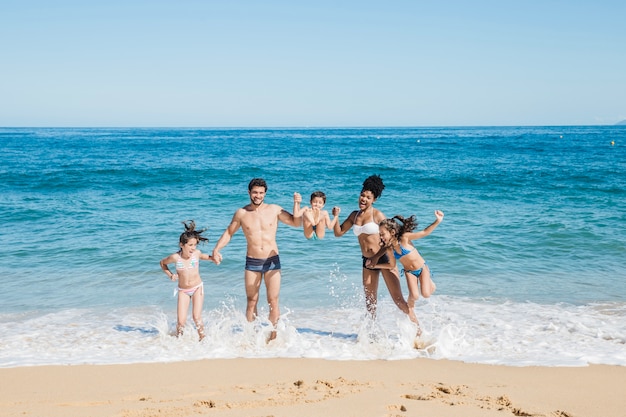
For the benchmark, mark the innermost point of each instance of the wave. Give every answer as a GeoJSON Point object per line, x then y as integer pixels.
{"type": "Point", "coordinates": [477, 331]}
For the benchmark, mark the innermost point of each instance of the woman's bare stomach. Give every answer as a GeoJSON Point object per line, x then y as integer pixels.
{"type": "Point", "coordinates": [369, 248]}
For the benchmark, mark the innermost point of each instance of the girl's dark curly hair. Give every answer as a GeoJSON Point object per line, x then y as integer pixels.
{"type": "Point", "coordinates": [191, 233]}
{"type": "Point", "coordinates": [374, 184]}
{"type": "Point", "coordinates": [398, 225]}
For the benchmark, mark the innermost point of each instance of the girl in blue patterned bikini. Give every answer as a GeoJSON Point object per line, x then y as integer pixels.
{"type": "Point", "coordinates": [190, 286]}
{"type": "Point", "coordinates": [396, 235]}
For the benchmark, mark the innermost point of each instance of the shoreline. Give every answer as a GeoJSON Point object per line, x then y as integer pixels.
{"type": "Point", "coordinates": [312, 387]}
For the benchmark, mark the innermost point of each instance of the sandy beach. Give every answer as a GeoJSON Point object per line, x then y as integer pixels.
{"type": "Point", "coordinates": [312, 387]}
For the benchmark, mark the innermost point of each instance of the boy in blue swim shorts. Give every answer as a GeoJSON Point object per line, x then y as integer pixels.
{"type": "Point", "coordinates": [315, 220]}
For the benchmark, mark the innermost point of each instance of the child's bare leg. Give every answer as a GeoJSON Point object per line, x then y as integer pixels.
{"type": "Point", "coordinates": [198, 300]}
{"type": "Point", "coordinates": [308, 230]}
{"type": "Point", "coordinates": [392, 280]}
{"type": "Point", "coordinates": [308, 216]}
{"type": "Point", "coordinates": [413, 286]}
{"type": "Point", "coordinates": [307, 224]}
{"type": "Point", "coordinates": [200, 328]}
{"type": "Point", "coordinates": [427, 285]}
{"type": "Point", "coordinates": [183, 306]}
{"type": "Point", "coordinates": [320, 230]}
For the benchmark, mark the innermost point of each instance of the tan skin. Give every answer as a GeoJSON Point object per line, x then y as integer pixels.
{"type": "Point", "coordinates": [370, 245]}
{"type": "Point", "coordinates": [259, 222]}
{"type": "Point", "coordinates": [316, 216]}
{"type": "Point", "coordinates": [187, 278]}
{"type": "Point", "coordinates": [412, 261]}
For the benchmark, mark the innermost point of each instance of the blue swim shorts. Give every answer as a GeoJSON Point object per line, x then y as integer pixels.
{"type": "Point", "coordinates": [262, 265]}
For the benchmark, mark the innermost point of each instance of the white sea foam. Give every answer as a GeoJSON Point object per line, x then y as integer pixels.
{"type": "Point", "coordinates": [483, 331]}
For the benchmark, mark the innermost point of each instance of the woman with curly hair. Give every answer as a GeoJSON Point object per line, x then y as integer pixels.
{"type": "Point", "coordinates": [364, 223]}
{"type": "Point", "coordinates": [396, 236]}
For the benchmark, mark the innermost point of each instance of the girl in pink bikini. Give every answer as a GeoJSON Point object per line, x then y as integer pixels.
{"type": "Point", "coordinates": [190, 287]}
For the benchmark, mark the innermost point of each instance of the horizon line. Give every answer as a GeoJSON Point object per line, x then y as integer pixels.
{"type": "Point", "coordinates": [622, 123]}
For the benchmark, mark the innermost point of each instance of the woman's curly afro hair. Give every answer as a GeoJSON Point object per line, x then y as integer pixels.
{"type": "Point", "coordinates": [374, 184]}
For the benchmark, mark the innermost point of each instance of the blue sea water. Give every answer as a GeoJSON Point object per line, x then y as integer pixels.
{"type": "Point", "coordinates": [529, 260]}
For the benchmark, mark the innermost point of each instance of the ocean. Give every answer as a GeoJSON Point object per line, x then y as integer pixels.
{"type": "Point", "coordinates": [529, 260]}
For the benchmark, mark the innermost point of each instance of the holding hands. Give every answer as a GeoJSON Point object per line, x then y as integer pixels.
{"type": "Point", "coordinates": [216, 257]}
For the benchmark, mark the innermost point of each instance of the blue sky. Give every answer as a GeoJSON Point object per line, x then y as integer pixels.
{"type": "Point", "coordinates": [308, 64]}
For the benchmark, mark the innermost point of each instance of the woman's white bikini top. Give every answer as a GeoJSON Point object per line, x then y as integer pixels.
{"type": "Point", "coordinates": [368, 228]}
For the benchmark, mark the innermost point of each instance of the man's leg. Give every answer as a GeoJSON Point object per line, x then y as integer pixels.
{"type": "Point", "coordinates": [272, 285]}
{"type": "Point", "coordinates": [253, 283]}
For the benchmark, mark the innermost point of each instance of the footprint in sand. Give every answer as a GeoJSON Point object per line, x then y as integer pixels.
{"type": "Point", "coordinates": [560, 413]}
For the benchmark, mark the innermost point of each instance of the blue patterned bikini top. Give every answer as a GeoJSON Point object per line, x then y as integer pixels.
{"type": "Point", "coordinates": [403, 251]}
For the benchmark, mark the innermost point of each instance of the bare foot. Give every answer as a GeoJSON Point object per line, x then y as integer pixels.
{"type": "Point", "coordinates": [419, 343]}
{"type": "Point", "coordinates": [201, 333]}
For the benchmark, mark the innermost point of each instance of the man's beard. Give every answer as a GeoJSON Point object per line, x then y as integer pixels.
{"type": "Point", "coordinates": [255, 204]}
